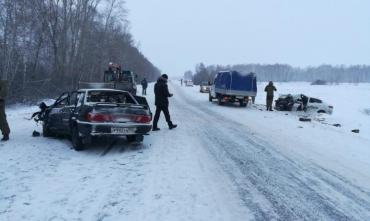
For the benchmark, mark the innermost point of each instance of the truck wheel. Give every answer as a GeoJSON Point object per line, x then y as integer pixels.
{"type": "Point", "coordinates": [46, 130]}
{"type": "Point", "coordinates": [76, 139]}
{"type": "Point", "coordinates": [242, 103]}
{"type": "Point", "coordinates": [135, 138]}
{"type": "Point", "coordinates": [219, 100]}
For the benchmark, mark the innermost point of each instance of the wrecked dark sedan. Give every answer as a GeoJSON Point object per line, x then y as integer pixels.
{"type": "Point", "coordinates": [89, 113]}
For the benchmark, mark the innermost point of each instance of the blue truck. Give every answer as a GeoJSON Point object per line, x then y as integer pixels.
{"type": "Point", "coordinates": [233, 86]}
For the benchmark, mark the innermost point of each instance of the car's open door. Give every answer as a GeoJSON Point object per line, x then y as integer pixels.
{"type": "Point", "coordinates": [142, 101]}
{"type": "Point", "coordinates": [57, 111]}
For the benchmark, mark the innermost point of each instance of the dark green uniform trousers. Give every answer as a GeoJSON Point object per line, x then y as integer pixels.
{"type": "Point", "coordinates": [269, 101]}
{"type": "Point", "coordinates": [4, 127]}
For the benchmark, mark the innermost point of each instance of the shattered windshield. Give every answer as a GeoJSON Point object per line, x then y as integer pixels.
{"type": "Point", "coordinates": [109, 97]}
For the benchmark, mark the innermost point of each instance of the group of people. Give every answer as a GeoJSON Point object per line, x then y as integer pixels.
{"type": "Point", "coordinates": [113, 73]}
{"type": "Point", "coordinates": [162, 94]}
{"type": "Point", "coordinates": [161, 102]}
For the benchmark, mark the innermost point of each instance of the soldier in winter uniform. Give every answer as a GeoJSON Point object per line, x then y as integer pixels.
{"type": "Point", "coordinates": [161, 102]}
{"type": "Point", "coordinates": [4, 127]}
{"type": "Point", "coordinates": [270, 88]}
{"type": "Point", "coordinates": [144, 84]}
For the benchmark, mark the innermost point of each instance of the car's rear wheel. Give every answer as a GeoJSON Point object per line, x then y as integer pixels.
{"type": "Point", "coordinates": [76, 139]}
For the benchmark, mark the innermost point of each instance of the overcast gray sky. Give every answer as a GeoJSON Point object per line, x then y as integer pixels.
{"type": "Point", "coordinates": [175, 35]}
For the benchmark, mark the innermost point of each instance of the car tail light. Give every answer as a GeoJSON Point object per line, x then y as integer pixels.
{"type": "Point", "coordinates": [142, 118]}
{"type": "Point", "coordinates": [98, 117]}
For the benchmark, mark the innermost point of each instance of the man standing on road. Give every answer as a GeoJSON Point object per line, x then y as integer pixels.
{"type": "Point", "coordinates": [270, 88]}
{"type": "Point", "coordinates": [4, 127]}
{"type": "Point", "coordinates": [161, 102]}
{"type": "Point", "coordinates": [144, 85]}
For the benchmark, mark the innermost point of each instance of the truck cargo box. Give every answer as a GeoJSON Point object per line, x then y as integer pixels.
{"type": "Point", "coordinates": [236, 83]}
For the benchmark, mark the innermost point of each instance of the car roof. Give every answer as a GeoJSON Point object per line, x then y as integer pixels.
{"type": "Point", "coordinates": [100, 89]}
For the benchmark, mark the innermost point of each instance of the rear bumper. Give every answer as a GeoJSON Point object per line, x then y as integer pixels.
{"type": "Point", "coordinates": [236, 93]}
{"type": "Point", "coordinates": [88, 129]}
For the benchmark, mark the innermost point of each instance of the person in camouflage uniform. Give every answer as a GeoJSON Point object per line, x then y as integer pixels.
{"type": "Point", "coordinates": [4, 127]}
{"type": "Point", "coordinates": [270, 88]}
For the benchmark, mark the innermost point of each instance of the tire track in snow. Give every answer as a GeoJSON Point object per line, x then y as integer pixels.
{"type": "Point", "coordinates": [293, 189]}
{"type": "Point", "coordinates": [109, 147]}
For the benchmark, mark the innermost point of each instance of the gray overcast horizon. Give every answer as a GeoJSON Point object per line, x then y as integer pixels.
{"type": "Point", "coordinates": [176, 35]}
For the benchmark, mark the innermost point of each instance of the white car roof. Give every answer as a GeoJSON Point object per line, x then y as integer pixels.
{"type": "Point", "coordinates": [100, 89]}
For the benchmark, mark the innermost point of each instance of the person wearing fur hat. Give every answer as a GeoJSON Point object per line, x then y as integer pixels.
{"type": "Point", "coordinates": [161, 102]}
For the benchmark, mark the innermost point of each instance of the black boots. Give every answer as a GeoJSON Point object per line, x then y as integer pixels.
{"type": "Point", "coordinates": [171, 126]}
{"type": "Point", "coordinates": [5, 137]}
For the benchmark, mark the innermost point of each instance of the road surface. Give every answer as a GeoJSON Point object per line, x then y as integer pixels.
{"type": "Point", "coordinates": [211, 167]}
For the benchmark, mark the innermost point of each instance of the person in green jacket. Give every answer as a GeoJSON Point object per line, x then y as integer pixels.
{"type": "Point", "coordinates": [4, 127]}
{"type": "Point", "coordinates": [270, 88]}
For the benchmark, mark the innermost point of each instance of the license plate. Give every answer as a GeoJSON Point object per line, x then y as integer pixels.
{"type": "Point", "coordinates": [120, 130]}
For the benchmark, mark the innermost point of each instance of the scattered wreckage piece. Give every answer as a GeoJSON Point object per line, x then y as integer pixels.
{"type": "Point", "coordinates": [36, 133]}
{"type": "Point", "coordinates": [304, 119]}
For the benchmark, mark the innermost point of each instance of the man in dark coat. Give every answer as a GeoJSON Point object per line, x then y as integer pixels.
{"type": "Point", "coordinates": [4, 127]}
{"type": "Point", "coordinates": [270, 88]}
{"type": "Point", "coordinates": [161, 102]}
{"type": "Point", "coordinates": [144, 85]}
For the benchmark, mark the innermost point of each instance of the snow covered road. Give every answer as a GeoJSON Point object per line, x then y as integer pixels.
{"type": "Point", "coordinates": [216, 166]}
{"type": "Point", "coordinates": [271, 184]}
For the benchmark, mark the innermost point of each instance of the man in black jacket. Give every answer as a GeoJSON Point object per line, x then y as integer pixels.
{"type": "Point", "coordinates": [161, 102]}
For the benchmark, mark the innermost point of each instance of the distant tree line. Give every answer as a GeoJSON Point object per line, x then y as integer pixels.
{"type": "Point", "coordinates": [48, 46]}
{"type": "Point", "coordinates": [285, 73]}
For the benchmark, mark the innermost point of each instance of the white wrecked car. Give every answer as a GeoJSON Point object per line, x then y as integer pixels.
{"type": "Point", "coordinates": [301, 102]}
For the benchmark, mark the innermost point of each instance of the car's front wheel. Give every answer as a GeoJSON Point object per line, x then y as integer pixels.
{"type": "Point", "coordinates": [46, 130]}
{"type": "Point", "coordinates": [76, 139]}
{"type": "Point", "coordinates": [219, 100]}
